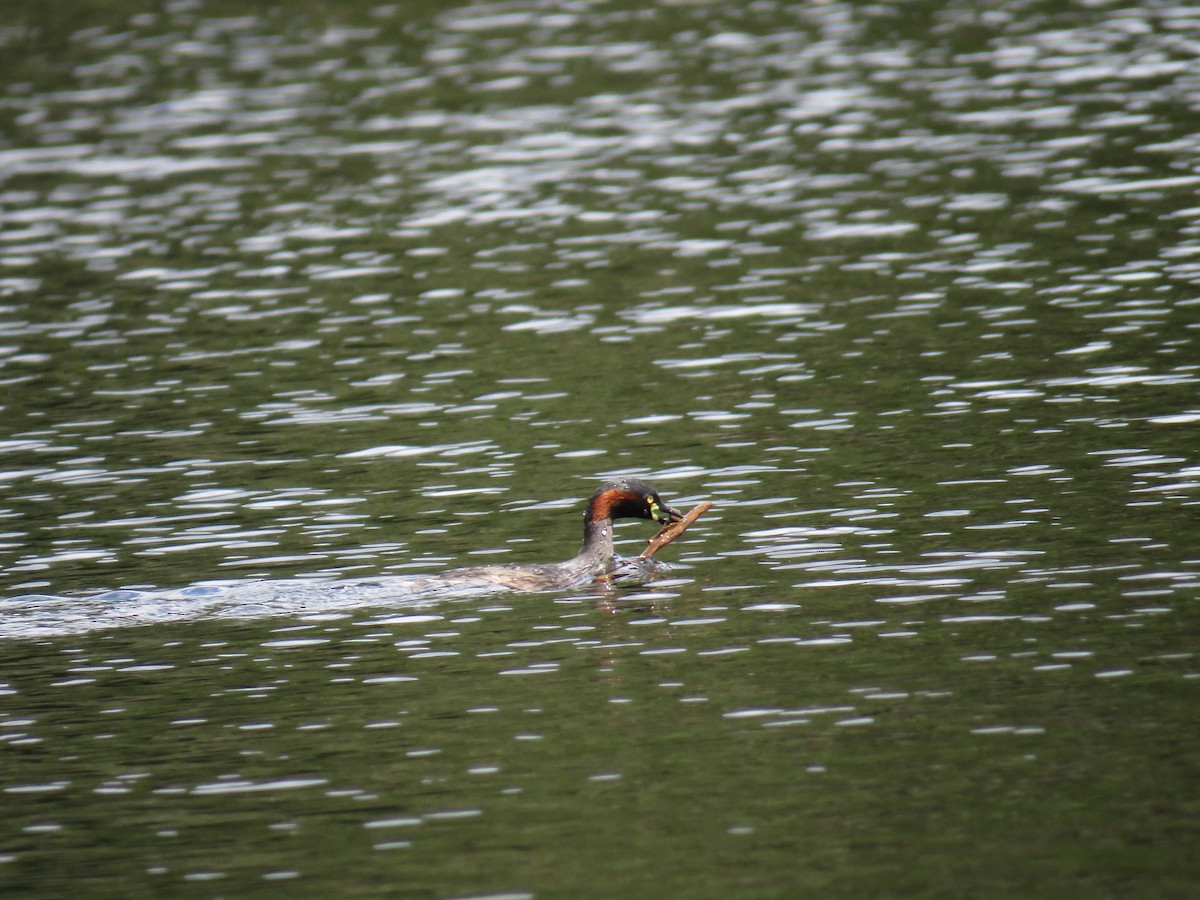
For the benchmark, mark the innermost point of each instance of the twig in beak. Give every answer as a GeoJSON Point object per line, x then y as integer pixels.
{"type": "Point", "coordinates": [675, 529]}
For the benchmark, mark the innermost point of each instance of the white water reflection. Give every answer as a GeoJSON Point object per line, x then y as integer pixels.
{"type": "Point", "coordinates": [36, 616]}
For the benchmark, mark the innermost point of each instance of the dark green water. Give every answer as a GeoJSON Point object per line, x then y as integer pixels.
{"type": "Point", "coordinates": [303, 293]}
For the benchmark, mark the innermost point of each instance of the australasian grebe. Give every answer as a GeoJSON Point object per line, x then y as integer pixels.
{"type": "Point", "coordinates": [624, 499]}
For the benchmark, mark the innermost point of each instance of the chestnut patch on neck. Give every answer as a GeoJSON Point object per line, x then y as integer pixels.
{"type": "Point", "coordinates": [615, 504]}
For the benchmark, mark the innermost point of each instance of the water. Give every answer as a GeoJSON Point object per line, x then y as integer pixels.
{"type": "Point", "coordinates": [295, 299]}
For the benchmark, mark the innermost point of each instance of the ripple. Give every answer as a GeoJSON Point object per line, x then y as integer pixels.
{"type": "Point", "coordinates": [370, 295]}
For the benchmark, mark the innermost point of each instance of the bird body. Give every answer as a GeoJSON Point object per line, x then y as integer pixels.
{"type": "Point", "coordinates": [627, 498]}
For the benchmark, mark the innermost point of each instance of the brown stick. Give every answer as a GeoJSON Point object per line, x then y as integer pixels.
{"type": "Point", "coordinates": [675, 529]}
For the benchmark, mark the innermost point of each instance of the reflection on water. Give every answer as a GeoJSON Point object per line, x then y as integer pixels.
{"type": "Point", "coordinates": [36, 615]}
{"type": "Point", "coordinates": [292, 301]}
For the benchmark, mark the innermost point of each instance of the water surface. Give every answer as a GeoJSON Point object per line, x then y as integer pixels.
{"type": "Point", "coordinates": [297, 299]}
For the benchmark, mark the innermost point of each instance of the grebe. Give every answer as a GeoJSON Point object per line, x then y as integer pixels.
{"type": "Point", "coordinates": [36, 615]}
{"type": "Point", "coordinates": [624, 499]}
